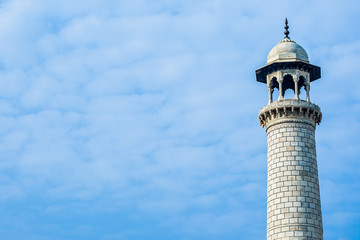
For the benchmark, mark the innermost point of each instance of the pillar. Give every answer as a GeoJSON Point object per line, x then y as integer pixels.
{"type": "Point", "coordinates": [307, 90]}
{"type": "Point", "coordinates": [281, 95]}
{"type": "Point", "coordinates": [296, 81]}
{"type": "Point", "coordinates": [293, 196]}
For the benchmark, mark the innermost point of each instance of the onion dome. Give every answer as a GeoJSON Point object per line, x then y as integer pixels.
{"type": "Point", "coordinates": [287, 50]}
{"type": "Point", "coordinates": [287, 54]}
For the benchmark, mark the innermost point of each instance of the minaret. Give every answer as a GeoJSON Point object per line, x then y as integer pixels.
{"type": "Point", "coordinates": [293, 197]}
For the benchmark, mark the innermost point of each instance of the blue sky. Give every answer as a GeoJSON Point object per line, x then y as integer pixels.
{"type": "Point", "coordinates": [138, 119]}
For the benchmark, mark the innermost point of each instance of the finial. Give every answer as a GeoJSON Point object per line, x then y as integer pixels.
{"type": "Point", "coordinates": [286, 29]}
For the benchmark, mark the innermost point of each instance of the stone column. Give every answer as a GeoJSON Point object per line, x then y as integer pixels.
{"type": "Point", "coordinates": [281, 95]}
{"type": "Point", "coordinates": [296, 81]}
{"type": "Point", "coordinates": [307, 87]}
{"type": "Point", "coordinates": [271, 90]}
{"type": "Point", "coordinates": [293, 197]}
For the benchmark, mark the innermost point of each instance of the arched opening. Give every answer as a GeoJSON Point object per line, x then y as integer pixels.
{"type": "Point", "coordinates": [301, 86]}
{"type": "Point", "coordinates": [274, 84]}
{"type": "Point", "coordinates": [288, 83]}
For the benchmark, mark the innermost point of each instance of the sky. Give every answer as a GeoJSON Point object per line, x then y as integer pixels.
{"type": "Point", "coordinates": [138, 119]}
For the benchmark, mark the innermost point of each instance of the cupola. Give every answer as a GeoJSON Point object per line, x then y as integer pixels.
{"type": "Point", "coordinates": [288, 67]}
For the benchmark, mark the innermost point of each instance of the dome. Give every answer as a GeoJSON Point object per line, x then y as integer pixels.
{"type": "Point", "coordinates": [287, 51]}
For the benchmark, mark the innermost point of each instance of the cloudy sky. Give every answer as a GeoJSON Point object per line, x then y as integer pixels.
{"type": "Point", "coordinates": [137, 119]}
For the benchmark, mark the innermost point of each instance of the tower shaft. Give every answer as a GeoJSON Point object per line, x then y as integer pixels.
{"type": "Point", "coordinates": [293, 197]}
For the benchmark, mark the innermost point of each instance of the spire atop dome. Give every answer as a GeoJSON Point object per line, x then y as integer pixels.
{"type": "Point", "coordinates": [286, 29]}
{"type": "Point", "coordinates": [287, 55]}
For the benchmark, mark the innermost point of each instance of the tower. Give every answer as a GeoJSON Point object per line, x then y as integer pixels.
{"type": "Point", "coordinates": [293, 196]}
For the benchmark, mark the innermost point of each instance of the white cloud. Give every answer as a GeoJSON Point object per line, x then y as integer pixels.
{"type": "Point", "coordinates": [146, 113]}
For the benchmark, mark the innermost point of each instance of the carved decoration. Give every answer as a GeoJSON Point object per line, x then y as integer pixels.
{"type": "Point", "coordinates": [290, 109]}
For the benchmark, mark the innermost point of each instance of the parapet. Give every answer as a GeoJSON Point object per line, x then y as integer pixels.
{"type": "Point", "coordinates": [290, 110]}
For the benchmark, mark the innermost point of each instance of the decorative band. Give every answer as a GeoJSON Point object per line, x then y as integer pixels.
{"type": "Point", "coordinates": [298, 123]}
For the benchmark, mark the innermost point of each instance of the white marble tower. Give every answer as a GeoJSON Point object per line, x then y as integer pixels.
{"type": "Point", "coordinates": [293, 197]}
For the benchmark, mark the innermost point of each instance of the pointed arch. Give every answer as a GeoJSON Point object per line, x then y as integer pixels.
{"type": "Point", "coordinates": [288, 83]}
{"type": "Point", "coordinates": [302, 86]}
{"type": "Point", "coordinates": [272, 85]}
